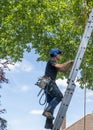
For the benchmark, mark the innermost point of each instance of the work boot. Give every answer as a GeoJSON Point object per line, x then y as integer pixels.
{"type": "Point", "coordinates": [48, 115]}
{"type": "Point", "coordinates": [49, 124]}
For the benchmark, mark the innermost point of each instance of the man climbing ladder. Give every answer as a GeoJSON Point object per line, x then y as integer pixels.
{"type": "Point", "coordinates": [71, 85]}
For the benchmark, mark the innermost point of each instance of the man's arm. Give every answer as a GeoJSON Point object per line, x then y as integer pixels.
{"type": "Point", "coordinates": [65, 67]}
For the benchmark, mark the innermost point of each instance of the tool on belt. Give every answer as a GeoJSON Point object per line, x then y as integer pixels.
{"type": "Point", "coordinates": [43, 82]}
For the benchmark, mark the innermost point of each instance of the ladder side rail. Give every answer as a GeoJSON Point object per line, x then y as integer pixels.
{"type": "Point", "coordinates": [66, 100]}
{"type": "Point", "coordinates": [76, 68]}
{"type": "Point", "coordinates": [58, 118]}
{"type": "Point", "coordinates": [64, 107]}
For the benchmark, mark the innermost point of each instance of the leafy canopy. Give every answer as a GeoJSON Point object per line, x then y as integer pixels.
{"type": "Point", "coordinates": [46, 24]}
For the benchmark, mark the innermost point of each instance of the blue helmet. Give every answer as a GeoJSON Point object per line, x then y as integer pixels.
{"type": "Point", "coordinates": [54, 52]}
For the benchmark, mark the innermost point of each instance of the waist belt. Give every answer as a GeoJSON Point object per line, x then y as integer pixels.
{"type": "Point", "coordinates": [43, 82]}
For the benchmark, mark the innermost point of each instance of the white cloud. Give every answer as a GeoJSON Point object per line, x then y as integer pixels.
{"type": "Point", "coordinates": [24, 88]}
{"type": "Point", "coordinates": [36, 112]}
{"type": "Point", "coordinates": [89, 100]}
{"type": "Point", "coordinates": [23, 66]}
{"type": "Point", "coordinates": [13, 67]}
{"type": "Point", "coordinates": [90, 94]}
{"type": "Point", "coordinates": [15, 122]}
{"type": "Point", "coordinates": [61, 82]}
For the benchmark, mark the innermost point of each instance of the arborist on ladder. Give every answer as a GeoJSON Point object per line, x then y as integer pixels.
{"type": "Point", "coordinates": [52, 92]}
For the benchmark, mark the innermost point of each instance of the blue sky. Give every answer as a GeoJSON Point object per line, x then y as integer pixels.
{"type": "Point", "coordinates": [19, 97]}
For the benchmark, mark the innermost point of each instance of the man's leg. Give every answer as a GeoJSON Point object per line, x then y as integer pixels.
{"type": "Point", "coordinates": [57, 96]}
{"type": "Point", "coordinates": [49, 110]}
{"type": "Point", "coordinates": [49, 98]}
{"type": "Point", "coordinates": [49, 123]}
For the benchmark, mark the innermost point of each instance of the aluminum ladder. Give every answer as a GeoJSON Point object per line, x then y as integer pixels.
{"type": "Point", "coordinates": [71, 85]}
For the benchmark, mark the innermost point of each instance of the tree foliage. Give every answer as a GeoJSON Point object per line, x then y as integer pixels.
{"type": "Point", "coordinates": [45, 24]}
{"type": "Point", "coordinates": [3, 79]}
{"type": "Point", "coordinates": [3, 124]}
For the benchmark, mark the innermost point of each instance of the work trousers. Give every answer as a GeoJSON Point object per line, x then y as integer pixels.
{"type": "Point", "coordinates": [53, 96]}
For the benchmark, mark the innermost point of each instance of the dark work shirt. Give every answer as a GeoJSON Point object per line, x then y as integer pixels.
{"type": "Point", "coordinates": [51, 70]}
